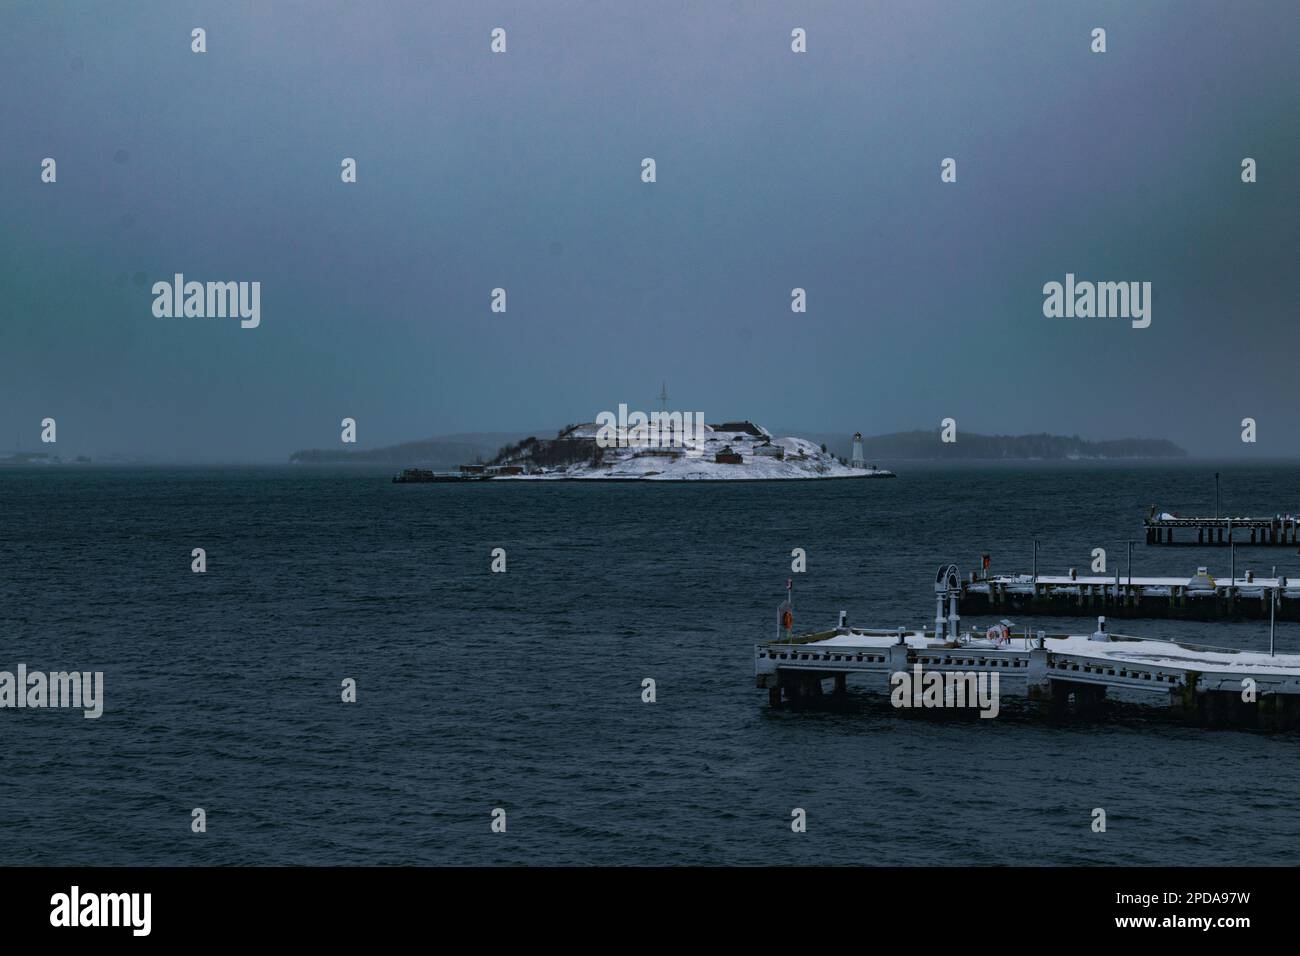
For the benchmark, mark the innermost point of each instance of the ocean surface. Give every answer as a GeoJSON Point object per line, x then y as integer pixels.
{"type": "Point", "coordinates": [522, 690]}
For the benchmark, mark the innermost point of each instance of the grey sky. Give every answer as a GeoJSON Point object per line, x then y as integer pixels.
{"type": "Point", "coordinates": [522, 170]}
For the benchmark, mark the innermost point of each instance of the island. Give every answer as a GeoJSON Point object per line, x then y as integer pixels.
{"type": "Point", "coordinates": [729, 451]}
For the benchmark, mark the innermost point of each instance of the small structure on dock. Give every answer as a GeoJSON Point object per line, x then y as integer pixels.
{"type": "Point", "coordinates": [785, 614]}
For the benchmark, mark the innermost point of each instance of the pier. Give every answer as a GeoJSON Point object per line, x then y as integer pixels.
{"type": "Point", "coordinates": [1076, 673]}
{"type": "Point", "coordinates": [1199, 597]}
{"type": "Point", "coordinates": [1069, 673]}
{"type": "Point", "coordinates": [1277, 531]}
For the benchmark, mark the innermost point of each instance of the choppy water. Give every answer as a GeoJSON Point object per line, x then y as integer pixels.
{"type": "Point", "coordinates": [523, 690]}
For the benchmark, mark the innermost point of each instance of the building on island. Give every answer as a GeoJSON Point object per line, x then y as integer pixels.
{"type": "Point", "coordinates": [740, 428]}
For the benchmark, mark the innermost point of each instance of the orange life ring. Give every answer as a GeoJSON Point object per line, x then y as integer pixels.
{"type": "Point", "coordinates": [787, 619]}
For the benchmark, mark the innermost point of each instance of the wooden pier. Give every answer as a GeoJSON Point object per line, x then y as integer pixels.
{"type": "Point", "coordinates": [1278, 531]}
{"type": "Point", "coordinates": [1070, 673]}
{"type": "Point", "coordinates": [1200, 597]}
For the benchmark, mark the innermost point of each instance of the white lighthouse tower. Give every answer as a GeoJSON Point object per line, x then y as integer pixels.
{"type": "Point", "coordinates": [857, 450]}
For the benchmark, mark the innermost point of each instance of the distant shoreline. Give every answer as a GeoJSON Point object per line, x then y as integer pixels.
{"type": "Point", "coordinates": [919, 445]}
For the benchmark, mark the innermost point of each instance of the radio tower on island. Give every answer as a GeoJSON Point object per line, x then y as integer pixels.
{"type": "Point", "coordinates": [663, 396]}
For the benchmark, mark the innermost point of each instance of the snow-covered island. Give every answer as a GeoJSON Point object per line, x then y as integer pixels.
{"type": "Point", "coordinates": [731, 451]}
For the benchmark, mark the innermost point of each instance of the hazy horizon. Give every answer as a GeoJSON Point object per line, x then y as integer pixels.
{"type": "Point", "coordinates": [110, 456]}
{"type": "Point", "coordinates": [66, 450]}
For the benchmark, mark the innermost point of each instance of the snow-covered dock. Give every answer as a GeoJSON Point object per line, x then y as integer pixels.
{"type": "Point", "coordinates": [1202, 683]}
{"type": "Point", "coordinates": [1199, 597]}
{"type": "Point", "coordinates": [1281, 530]}
{"type": "Point", "coordinates": [1209, 685]}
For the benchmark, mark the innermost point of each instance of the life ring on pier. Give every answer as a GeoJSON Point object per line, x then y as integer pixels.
{"type": "Point", "coordinates": [787, 619]}
{"type": "Point", "coordinates": [998, 632]}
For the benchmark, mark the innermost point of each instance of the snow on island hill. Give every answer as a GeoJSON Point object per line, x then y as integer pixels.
{"type": "Point", "coordinates": [732, 451]}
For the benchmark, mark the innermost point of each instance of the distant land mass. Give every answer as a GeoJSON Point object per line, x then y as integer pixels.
{"type": "Point", "coordinates": [446, 452]}
{"type": "Point", "coordinates": [925, 445]}
{"type": "Point", "coordinates": [449, 452]}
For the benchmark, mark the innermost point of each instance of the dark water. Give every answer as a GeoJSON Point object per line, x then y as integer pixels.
{"type": "Point", "coordinates": [523, 690]}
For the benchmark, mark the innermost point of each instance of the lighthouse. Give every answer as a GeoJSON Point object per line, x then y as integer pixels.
{"type": "Point", "coordinates": [857, 450]}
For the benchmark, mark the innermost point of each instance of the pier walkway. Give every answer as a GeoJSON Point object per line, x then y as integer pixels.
{"type": "Point", "coordinates": [1277, 531]}
{"type": "Point", "coordinates": [1200, 597]}
{"type": "Point", "coordinates": [1203, 684]}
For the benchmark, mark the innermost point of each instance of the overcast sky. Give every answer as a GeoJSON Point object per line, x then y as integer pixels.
{"type": "Point", "coordinates": [523, 170]}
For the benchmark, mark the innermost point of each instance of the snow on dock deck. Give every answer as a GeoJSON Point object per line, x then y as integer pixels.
{"type": "Point", "coordinates": [1199, 597]}
{"type": "Point", "coordinates": [1242, 663]}
{"type": "Point", "coordinates": [1062, 580]}
{"type": "Point", "coordinates": [1240, 521]}
{"type": "Point", "coordinates": [1118, 648]}
{"type": "Point", "coordinates": [1171, 654]}
{"type": "Point", "coordinates": [1270, 531]}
